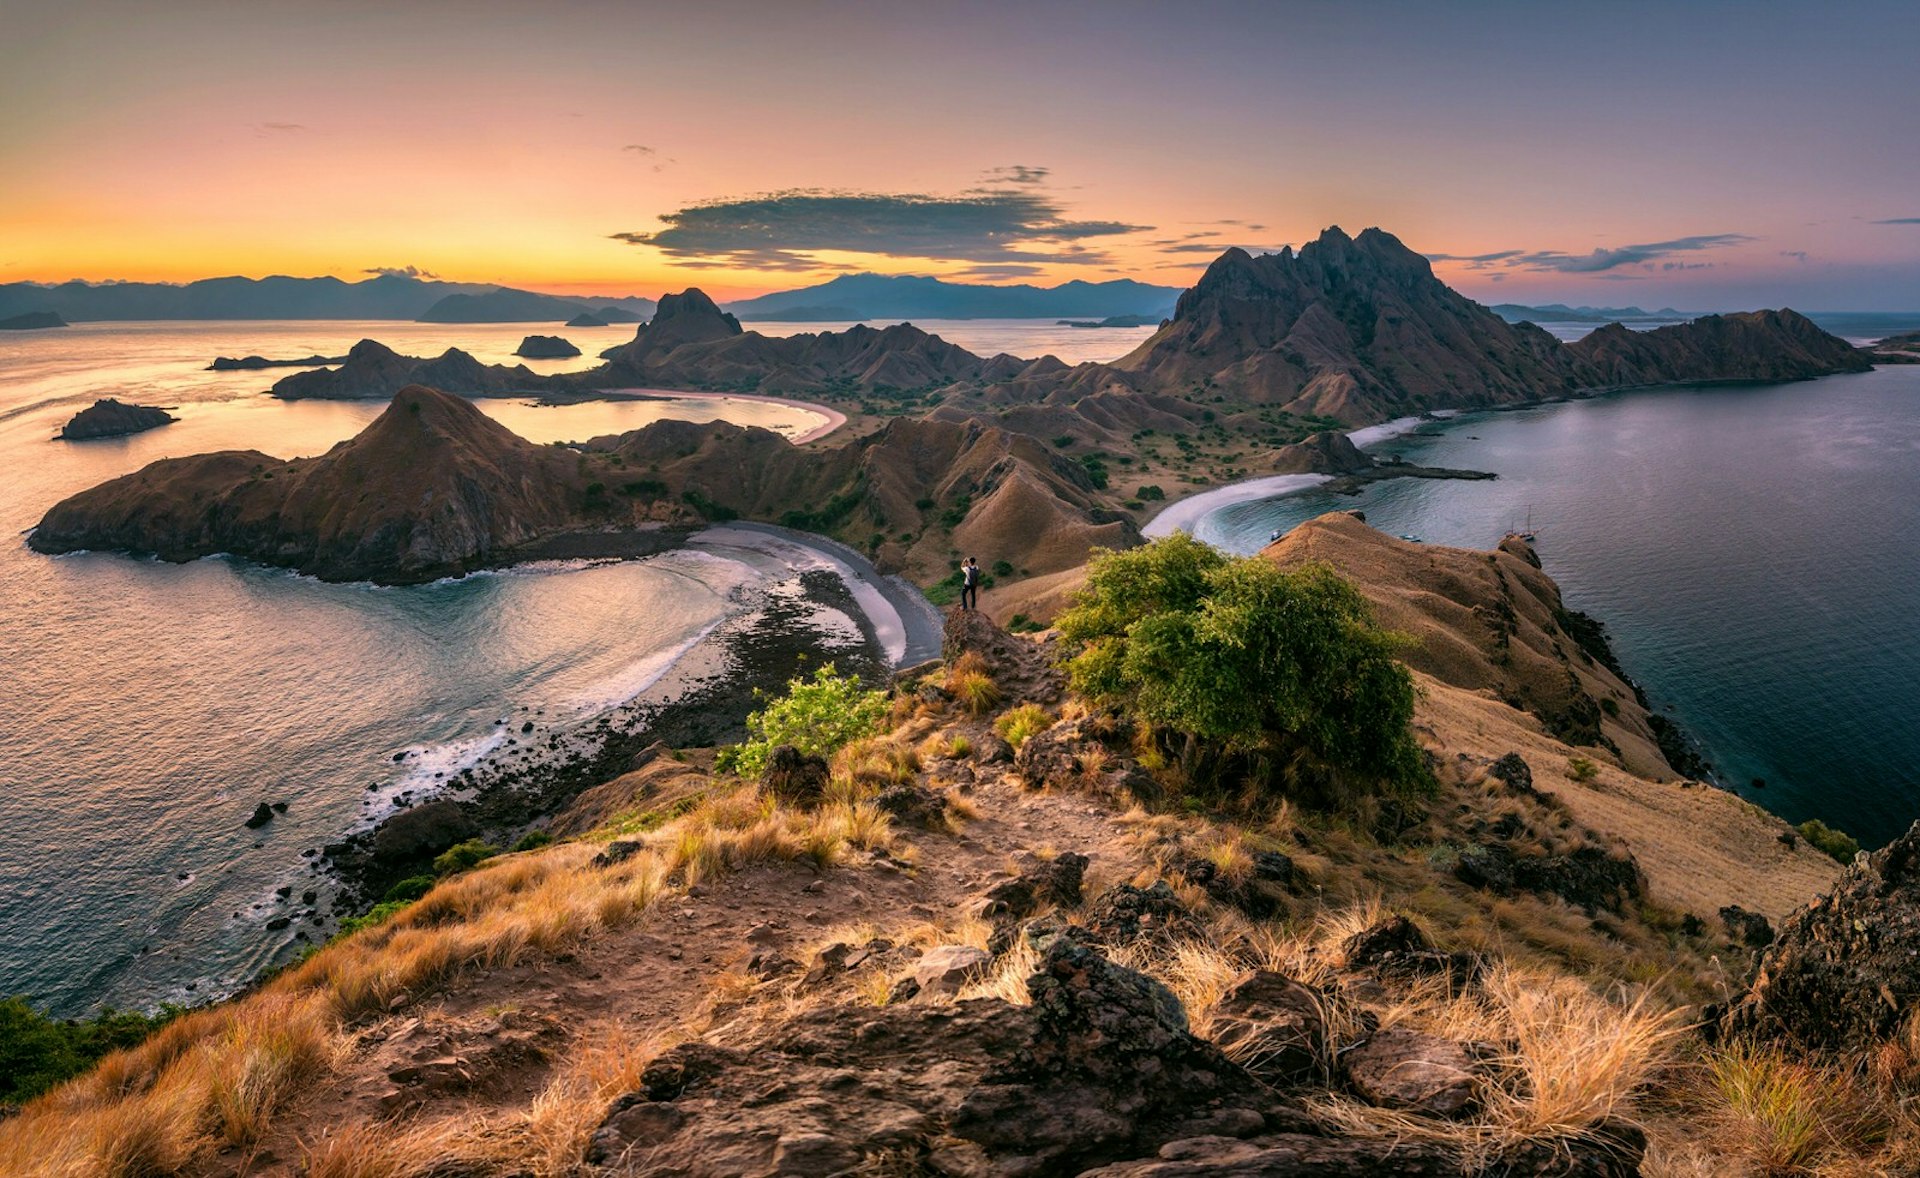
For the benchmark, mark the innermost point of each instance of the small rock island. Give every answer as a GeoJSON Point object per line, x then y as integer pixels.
{"type": "Point", "coordinates": [546, 347]}
{"type": "Point", "coordinates": [32, 321]}
{"type": "Point", "coordinates": [108, 418]}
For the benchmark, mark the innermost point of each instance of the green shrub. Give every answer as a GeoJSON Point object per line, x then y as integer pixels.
{"type": "Point", "coordinates": [1838, 843]}
{"type": "Point", "coordinates": [37, 1052]}
{"type": "Point", "coordinates": [533, 840]}
{"type": "Point", "coordinates": [1022, 722]}
{"type": "Point", "coordinates": [463, 857]}
{"type": "Point", "coordinates": [411, 888]}
{"type": "Point", "coordinates": [717, 512]}
{"type": "Point", "coordinates": [816, 716]}
{"type": "Point", "coordinates": [1245, 670]}
{"type": "Point", "coordinates": [1022, 624]}
{"type": "Point", "coordinates": [375, 915]}
{"type": "Point", "coordinates": [1003, 568]}
{"type": "Point", "coordinates": [1581, 769]}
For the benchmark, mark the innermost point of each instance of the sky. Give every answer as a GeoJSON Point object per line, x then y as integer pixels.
{"type": "Point", "coordinates": [1699, 155]}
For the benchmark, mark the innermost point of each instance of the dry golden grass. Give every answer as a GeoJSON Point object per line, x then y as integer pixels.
{"type": "Point", "coordinates": [1017, 725]}
{"type": "Point", "coordinates": [219, 1076]}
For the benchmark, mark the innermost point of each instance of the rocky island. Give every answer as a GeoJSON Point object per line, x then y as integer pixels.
{"type": "Point", "coordinates": [108, 418]}
{"type": "Point", "coordinates": [252, 363]}
{"type": "Point", "coordinates": [32, 321]}
{"type": "Point", "coordinates": [546, 347]}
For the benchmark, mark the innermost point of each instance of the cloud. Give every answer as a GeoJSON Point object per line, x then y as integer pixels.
{"type": "Point", "coordinates": [639, 148]}
{"type": "Point", "coordinates": [1796, 255]}
{"type": "Point", "coordinates": [992, 270]}
{"type": "Point", "coordinates": [399, 272]}
{"type": "Point", "coordinates": [1600, 261]}
{"type": "Point", "coordinates": [786, 230]}
{"type": "Point", "coordinates": [1899, 221]}
{"type": "Point", "coordinates": [1216, 248]}
{"type": "Point", "coordinates": [282, 128]}
{"type": "Point", "coordinates": [1017, 174]}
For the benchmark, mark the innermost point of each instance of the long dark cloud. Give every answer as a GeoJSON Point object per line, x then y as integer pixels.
{"type": "Point", "coordinates": [1011, 219]}
{"type": "Point", "coordinates": [1599, 261]}
{"type": "Point", "coordinates": [1899, 221]}
{"type": "Point", "coordinates": [399, 272]}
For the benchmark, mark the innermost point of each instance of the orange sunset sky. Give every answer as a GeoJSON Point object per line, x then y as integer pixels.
{"type": "Point", "coordinates": [1703, 156]}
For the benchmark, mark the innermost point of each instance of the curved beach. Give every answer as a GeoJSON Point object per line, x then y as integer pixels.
{"type": "Point", "coordinates": [834, 418]}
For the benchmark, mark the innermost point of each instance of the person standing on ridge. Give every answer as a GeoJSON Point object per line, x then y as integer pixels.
{"type": "Point", "coordinates": [970, 584]}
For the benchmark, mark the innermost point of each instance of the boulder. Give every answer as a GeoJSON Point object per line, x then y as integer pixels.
{"type": "Point", "coordinates": [421, 833]}
{"type": "Point", "coordinates": [1021, 667]}
{"type": "Point", "coordinates": [262, 814]}
{"type": "Point", "coordinates": [1400, 1068]}
{"type": "Point", "coordinates": [1398, 948]}
{"type": "Point", "coordinates": [1273, 1026]}
{"type": "Point", "coordinates": [1588, 876]}
{"type": "Point", "coordinates": [947, 969]}
{"type": "Point", "coordinates": [795, 777]}
{"type": "Point", "coordinates": [912, 805]}
{"type": "Point", "coordinates": [1843, 973]}
{"type": "Point", "coordinates": [1124, 913]}
{"type": "Point", "coordinates": [1054, 881]}
{"type": "Point", "coordinates": [1751, 929]}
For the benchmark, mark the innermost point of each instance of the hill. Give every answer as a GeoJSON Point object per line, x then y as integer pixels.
{"type": "Point", "coordinates": [904, 296]}
{"type": "Point", "coordinates": [1745, 346]}
{"type": "Point", "coordinates": [994, 932]}
{"type": "Point", "coordinates": [692, 343]}
{"type": "Point", "coordinates": [373, 371]}
{"type": "Point", "coordinates": [1561, 313]}
{"type": "Point", "coordinates": [432, 487]}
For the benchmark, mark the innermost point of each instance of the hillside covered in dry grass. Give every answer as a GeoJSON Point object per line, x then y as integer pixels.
{"type": "Point", "coordinates": [1000, 921]}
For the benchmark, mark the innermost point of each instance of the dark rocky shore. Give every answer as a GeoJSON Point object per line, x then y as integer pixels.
{"type": "Point", "coordinates": [704, 700]}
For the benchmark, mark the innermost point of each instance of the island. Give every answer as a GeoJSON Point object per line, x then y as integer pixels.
{"type": "Point", "coordinates": [32, 321]}
{"type": "Point", "coordinates": [1110, 321]}
{"type": "Point", "coordinates": [248, 363]}
{"type": "Point", "coordinates": [108, 418]}
{"type": "Point", "coordinates": [586, 319]}
{"type": "Point", "coordinates": [546, 347]}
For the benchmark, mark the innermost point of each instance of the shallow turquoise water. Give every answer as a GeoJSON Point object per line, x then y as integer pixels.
{"type": "Point", "coordinates": [1754, 551]}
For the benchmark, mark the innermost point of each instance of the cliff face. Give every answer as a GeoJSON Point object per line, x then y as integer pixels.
{"type": "Point", "coordinates": [373, 371]}
{"type": "Point", "coordinates": [432, 487]}
{"type": "Point", "coordinates": [1353, 328]}
{"type": "Point", "coordinates": [1748, 345]}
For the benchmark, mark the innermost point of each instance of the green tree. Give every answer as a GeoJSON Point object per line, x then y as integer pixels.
{"type": "Point", "coordinates": [816, 716]}
{"type": "Point", "coordinates": [1243, 670]}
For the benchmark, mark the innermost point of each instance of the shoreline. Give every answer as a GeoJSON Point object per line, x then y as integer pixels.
{"type": "Point", "coordinates": [1183, 514]}
{"type": "Point", "coordinates": [834, 418]}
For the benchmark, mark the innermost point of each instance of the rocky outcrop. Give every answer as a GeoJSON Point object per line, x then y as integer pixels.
{"type": "Point", "coordinates": [109, 418]}
{"type": "Point", "coordinates": [586, 319]}
{"type": "Point", "coordinates": [373, 371]}
{"type": "Point", "coordinates": [1843, 974]}
{"type": "Point", "coordinates": [433, 487]}
{"type": "Point", "coordinates": [546, 347]}
{"type": "Point", "coordinates": [1100, 1067]}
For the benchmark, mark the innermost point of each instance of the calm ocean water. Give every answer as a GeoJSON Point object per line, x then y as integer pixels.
{"type": "Point", "coordinates": [1754, 551]}
{"type": "Point", "coordinates": [149, 707]}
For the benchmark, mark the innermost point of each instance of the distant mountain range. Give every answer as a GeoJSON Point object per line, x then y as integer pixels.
{"type": "Point", "coordinates": [1561, 313]}
{"type": "Point", "coordinates": [388, 296]}
{"type": "Point", "coordinates": [853, 297]}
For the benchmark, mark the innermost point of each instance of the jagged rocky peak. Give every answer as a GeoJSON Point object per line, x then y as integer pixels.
{"type": "Point", "coordinates": [691, 312]}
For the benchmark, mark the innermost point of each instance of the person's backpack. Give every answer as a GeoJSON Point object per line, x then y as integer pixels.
{"type": "Point", "coordinates": [970, 576]}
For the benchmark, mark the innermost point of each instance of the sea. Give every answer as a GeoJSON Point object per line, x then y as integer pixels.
{"type": "Point", "coordinates": [1755, 553]}
{"type": "Point", "coordinates": [147, 708]}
